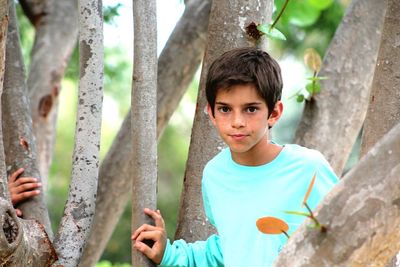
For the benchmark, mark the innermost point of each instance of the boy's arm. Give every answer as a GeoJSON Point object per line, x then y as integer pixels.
{"type": "Point", "coordinates": [180, 253]}
{"type": "Point", "coordinates": [22, 188]}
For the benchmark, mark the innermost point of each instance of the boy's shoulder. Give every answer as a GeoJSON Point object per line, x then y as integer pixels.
{"type": "Point", "coordinates": [297, 152]}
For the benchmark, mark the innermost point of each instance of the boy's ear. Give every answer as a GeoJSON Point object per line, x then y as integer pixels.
{"type": "Point", "coordinates": [210, 114]}
{"type": "Point", "coordinates": [275, 114]}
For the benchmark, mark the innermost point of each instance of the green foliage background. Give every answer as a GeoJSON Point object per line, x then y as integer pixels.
{"type": "Point", "coordinates": [305, 23]}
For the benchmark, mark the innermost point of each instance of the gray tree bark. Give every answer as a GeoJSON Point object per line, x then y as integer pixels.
{"type": "Point", "coordinates": [3, 37]}
{"type": "Point", "coordinates": [183, 51]}
{"type": "Point", "coordinates": [79, 210]}
{"type": "Point", "coordinates": [337, 113]}
{"type": "Point", "coordinates": [19, 143]}
{"type": "Point", "coordinates": [226, 30]}
{"type": "Point", "coordinates": [362, 215]}
{"type": "Point", "coordinates": [23, 242]}
{"type": "Point", "coordinates": [55, 39]}
{"type": "Point", "coordinates": [384, 102]}
{"type": "Point", "coordinates": [143, 118]}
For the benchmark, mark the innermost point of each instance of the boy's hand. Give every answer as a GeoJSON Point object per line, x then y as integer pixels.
{"type": "Point", "coordinates": [156, 233]}
{"type": "Point", "coordinates": [22, 188]}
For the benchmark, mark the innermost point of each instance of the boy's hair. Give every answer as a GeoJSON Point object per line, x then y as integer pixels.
{"type": "Point", "coordinates": [241, 66]}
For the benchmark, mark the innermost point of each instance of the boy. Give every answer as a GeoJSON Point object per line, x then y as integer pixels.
{"type": "Point", "coordinates": [250, 179]}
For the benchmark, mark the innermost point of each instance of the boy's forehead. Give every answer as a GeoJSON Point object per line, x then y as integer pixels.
{"type": "Point", "coordinates": [243, 93]}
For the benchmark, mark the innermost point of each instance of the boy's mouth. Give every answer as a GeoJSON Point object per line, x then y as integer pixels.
{"type": "Point", "coordinates": [238, 137]}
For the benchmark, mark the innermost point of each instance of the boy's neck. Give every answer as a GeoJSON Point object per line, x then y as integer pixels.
{"type": "Point", "coordinates": [256, 157]}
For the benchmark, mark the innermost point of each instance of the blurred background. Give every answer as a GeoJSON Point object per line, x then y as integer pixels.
{"type": "Point", "coordinates": [305, 23]}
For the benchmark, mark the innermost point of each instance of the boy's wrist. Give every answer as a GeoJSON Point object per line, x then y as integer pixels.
{"type": "Point", "coordinates": [165, 261]}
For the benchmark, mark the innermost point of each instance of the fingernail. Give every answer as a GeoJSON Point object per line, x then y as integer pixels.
{"type": "Point", "coordinates": [39, 184]}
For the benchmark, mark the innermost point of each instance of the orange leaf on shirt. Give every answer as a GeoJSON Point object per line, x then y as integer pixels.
{"type": "Point", "coordinates": [271, 225]}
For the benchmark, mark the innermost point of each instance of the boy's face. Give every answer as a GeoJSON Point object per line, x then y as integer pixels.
{"type": "Point", "coordinates": [241, 118]}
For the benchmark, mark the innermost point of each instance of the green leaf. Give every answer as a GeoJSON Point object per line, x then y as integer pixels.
{"type": "Point", "coordinates": [300, 98]}
{"type": "Point", "coordinates": [320, 4]}
{"type": "Point", "coordinates": [298, 12]}
{"type": "Point", "coordinates": [272, 33]}
{"type": "Point", "coordinates": [300, 213]}
{"type": "Point", "coordinates": [309, 88]}
{"type": "Point", "coordinates": [317, 87]}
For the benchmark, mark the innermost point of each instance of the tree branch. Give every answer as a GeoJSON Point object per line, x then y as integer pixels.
{"type": "Point", "coordinates": [55, 39]}
{"type": "Point", "coordinates": [362, 214]}
{"type": "Point", "coordinates": [183, 51]}
{"type": "Point", "coordinates": [79, 210]}
{"type": "Point", "coordinates": [338, 112]}
{"type": "Point", "coordinates": [19, 144]}
{"type": "Point", "coordinates": [143, 118]}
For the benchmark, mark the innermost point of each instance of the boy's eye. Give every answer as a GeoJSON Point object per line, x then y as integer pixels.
{"type": "Point", "coordinates": [224, 109]}
{"type": "Point", "coordinates": [251, 109]}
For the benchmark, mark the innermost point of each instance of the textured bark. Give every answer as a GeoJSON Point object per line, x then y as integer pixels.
{"type": "Point", "coordinates": [55, 40]}
{"type": "Point", "coordinates": [384, 102]}
{"type": "Point", "coordinates": [226, 30]}
{"type": "Point", "coordinates": [362, 214]}
{"type": "Point", "coordinates": [337, 113]}
{"type": "Point", "coordinates": [183, 51]}
{"type": "Point", "coordinates": [19, 144]}
{"type": "Point", "coordinates": [79, 210]}
{"type": "Point", "coordinates": [23, 242]}
{"type": "Point", "coordinates": [3, 37]}
{"type": "Point", "coordinates": [143, 117]}
{"type": "Point", "coordinates": [34, 10]}
{"type": "Point", "coordinates": [188, 38]}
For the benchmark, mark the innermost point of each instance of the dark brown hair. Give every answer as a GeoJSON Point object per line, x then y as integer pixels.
{"type": "Point", "coordinates": [242, 66]}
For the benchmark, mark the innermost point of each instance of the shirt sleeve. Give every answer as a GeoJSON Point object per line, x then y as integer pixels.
{"type": "Point", "coordinates": [197, 254]}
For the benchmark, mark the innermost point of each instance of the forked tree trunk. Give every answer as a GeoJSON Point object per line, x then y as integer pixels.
{"type": "Point", "coordinates": [362, 215]}
{"type": "Point", "coordinates": [226, 30]}
{"type": "Point", "coordinates": [143, 118]}
{"type": "Point", "coordinates": [18, 237]}
{"type": "Point", "coordinates": [183, 51]}
{"type": "Point", "coordinates": [19, 144]}
{"type": "Point", "coordinates": [79, 210]}
{"type": "Point", "coordinates": [34, 10]}
{"type": "Point", "coordinates": [55, 39]}
{"type": "Point", "coordinates": [332, 120]}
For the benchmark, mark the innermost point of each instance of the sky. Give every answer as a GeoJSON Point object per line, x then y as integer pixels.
{"type": "Point", "coordinates": [168, 13]}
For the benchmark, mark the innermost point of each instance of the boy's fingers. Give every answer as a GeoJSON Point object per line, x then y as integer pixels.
{"type": "Point", "coordinates": [26, 187]}
{"type": "Point", "coordinates": [15, 174]}
{"type": "Point", "coordinates": [156, 215]}
{"type": "Point", "coordinates": [18, 212]}
{"type": "Point", "coordinates": [25, 195]}
{"type": "Point", "coordinates": [143, 248]}
{"type": "Point", "coordinates": [143, 228]}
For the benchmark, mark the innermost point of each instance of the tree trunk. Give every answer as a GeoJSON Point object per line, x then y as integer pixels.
{"type": "Point", "coordinates": [19, 144]}
{"type": "Point", "coordinates": [3, 37]}
{"type": "Point", "coordinates": [79, 210]}
{"type": "Point", "coordinates": [362, 215]}
{"type": "Point", "coordinates": [226, 30]}
{"type": "Point", "coordinates": [143, 118]}
{"type": "Point", "coordinates": [23, 242]}
{"type": "Point", "coordinates": [183, 51]}
{"type": "Point", "coordinates": [337, 113]}
{"type": "Point", "coordinates": [384, 102]}
{"type": "Point", "coordinates": [55, 39]}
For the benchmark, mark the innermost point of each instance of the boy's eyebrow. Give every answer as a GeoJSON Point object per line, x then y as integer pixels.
{"type": "Point", "coordinates": [245, 104]}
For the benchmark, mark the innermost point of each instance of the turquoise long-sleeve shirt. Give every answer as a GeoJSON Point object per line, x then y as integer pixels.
{"type": "Point", "coordinates": [235, 196]}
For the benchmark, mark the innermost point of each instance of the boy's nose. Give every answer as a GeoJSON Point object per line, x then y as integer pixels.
{"type": "Point", "coordinates": [238, 121]}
